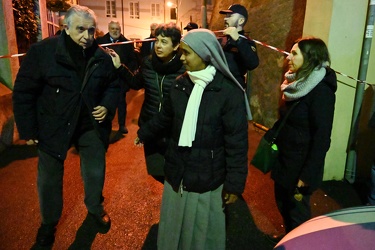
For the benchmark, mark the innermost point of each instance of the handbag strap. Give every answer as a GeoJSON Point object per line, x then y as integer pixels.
{"type": "Point", "coordinates": [283, 121]}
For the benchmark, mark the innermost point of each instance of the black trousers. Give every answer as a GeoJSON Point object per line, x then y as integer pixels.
{"type": "Point", "coordinates": [294, 212]}
{"type": "Point", "coordinates": [50, 178]}
{"type": "Point", "coordinates": [122, 105]}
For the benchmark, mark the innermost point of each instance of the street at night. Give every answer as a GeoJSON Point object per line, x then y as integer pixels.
{"type": "Point", "coordinates": [132, 198]}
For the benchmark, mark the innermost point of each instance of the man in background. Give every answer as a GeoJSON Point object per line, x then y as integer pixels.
{"type": "Point", "coordinates": [191, 26]}
{"type": "Point", "coordinates": [128, 57]}
{"type": "Point", "coordinates": [148, 46]}
{"type": "Point", "coordinates": [61, 25]}
{"type": "Point", "coordinates": [240, 52]}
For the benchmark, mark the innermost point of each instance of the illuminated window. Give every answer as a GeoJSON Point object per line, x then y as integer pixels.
{"type": "Point", "coordinates": [155, 9]}
{"type": "Point", "coordinates": [110, 8]}
{"type": "Point", "coordinates": [134, 10]}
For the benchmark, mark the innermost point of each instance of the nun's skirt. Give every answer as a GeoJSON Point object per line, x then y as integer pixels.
{"type": "Point", "coordinates": [191, 220]}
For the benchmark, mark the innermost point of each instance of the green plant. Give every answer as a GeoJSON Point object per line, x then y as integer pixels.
{"type": "Point", "coordinates": [58, 5]}
{"type": "Point", "coordinates": [25, 22]}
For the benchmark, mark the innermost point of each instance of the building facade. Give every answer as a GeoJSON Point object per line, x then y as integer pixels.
{"type": "Point", "coordinates": [135, 17]}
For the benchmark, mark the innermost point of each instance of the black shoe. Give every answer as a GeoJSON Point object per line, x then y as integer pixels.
{"type": "Point", "coordinates": [45, 237]}
{"type": "Point", "coordinates": [123, 130]}
{"type": "Point", "coordinates": [103, 222]}
{"type": "Point", "coordinates": [85, 235]}
{"type": "Point", "coordinates": [275, 238]}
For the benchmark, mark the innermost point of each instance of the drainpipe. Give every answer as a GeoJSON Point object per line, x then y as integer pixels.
{"type": "Point", "coordinates": [351, 158]}
{"type": "Point", "coordinates": [122, 16]}
{"type": "Point", "coordinates": [204, 14]}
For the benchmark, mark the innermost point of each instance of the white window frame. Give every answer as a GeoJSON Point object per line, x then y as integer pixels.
{"type": "Point", "coordinates": [155, 9]}
{"type": "Point", "coordinates": [110, 8]}
{"type": "Point", "coordinates": [134, 10]}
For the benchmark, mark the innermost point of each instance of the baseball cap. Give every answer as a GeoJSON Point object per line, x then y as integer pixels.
{"type": "Point", "coordinates": [235, 8]}
{"type": "Point", "coordinates": [191, 26]}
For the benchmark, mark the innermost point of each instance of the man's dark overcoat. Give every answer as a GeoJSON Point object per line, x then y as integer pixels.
{"type": "Point", "coordinates": [48, 94]}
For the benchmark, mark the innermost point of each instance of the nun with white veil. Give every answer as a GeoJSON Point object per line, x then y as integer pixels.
{"type": "Point", "coordinates": [206, 160]}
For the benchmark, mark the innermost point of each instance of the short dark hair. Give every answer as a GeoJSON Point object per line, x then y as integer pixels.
{"type": "Point", "coordinates": [315, 54]}
{"type": "Point", "coordinates": [169, 30]}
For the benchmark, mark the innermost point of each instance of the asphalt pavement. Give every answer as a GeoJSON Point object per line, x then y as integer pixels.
{"type": "Point", "coordinates": [132, 199]}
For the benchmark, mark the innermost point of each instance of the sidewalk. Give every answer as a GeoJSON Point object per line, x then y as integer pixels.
{"type": "Point", "coordinates": [132, 198]}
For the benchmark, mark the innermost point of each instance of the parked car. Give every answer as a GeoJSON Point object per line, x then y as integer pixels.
{"type": "Point", "coordinates": [345, 229]}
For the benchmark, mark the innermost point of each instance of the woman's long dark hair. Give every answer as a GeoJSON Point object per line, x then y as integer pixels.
{"type": "Point", "coordinates": [315, 54]}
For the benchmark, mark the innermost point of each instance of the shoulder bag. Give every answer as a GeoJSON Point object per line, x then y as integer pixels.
{"type": "Point", "coordinates": [267, 152]}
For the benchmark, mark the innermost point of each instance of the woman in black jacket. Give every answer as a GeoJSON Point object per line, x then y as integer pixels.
{"type": "Point", "coordinates": [305, 138]}
{"type": "Point", "coordinates": [155, 76]}
{"type": "Point", "coordinates": [206, 158]}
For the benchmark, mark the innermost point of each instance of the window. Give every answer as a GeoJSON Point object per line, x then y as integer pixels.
{"type": "Point", "coordinates": [173, 13]}
{"type": "Point", "coordinates": [110, 8]}
{"type": "Point", "coordinates": [134, 10]}
{"type": "Point", "coordinates": [155, 9]}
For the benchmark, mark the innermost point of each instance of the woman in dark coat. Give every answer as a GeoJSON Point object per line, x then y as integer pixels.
{"type": "Point", "coordinates": [305, 138]}
{"type": "Point", "coordinates": [206, 158]}
{"type": "Point", "coordinates": [156, 75]}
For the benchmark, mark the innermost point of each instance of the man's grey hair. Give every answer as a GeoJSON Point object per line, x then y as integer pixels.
{"type": "Point", "coordinates": [81, 11]}
{"type": "Point", "coordinates": [114, 22]}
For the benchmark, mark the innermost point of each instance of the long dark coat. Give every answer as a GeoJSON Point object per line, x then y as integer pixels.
{"type": "Point", "coordinates": [156, 78]}
{"type": "Point", "coordinates": [306, 136]}
{"type": "Point", "coordinates": [219, 152]}
{"type": "Point", "coordinates": [48, 94]}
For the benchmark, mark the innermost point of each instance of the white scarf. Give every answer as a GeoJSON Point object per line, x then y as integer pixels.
{"type": "Point", "coordinates": [205, 44]}
{"type": "Point", "coordinates": [295, 89]}
{"type": "Point", "coordinates": [200, 79]}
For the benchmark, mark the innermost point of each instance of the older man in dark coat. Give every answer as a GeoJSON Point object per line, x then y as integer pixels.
{"type": "Point", "coordinates": [128, 57]}
{"type": "Point", "coordinates": [65, 94]}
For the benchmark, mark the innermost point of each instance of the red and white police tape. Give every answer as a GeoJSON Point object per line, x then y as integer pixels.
{"type": "Point", "coordinates": [217, 31]}
{"type": "Point", "coordinates": [287, 53]}
{"type": "Point", "coordinates": [15, 55]}
{"type": "Point", "coordinates": [127, 42]}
